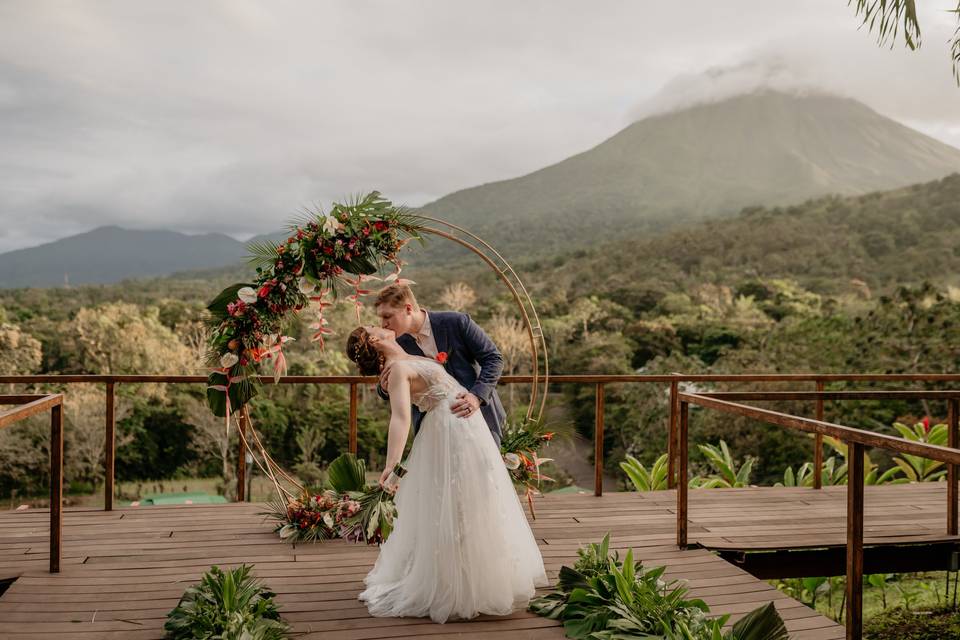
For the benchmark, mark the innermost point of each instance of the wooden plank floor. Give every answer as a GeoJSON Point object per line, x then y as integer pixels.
{"type": "Point", "coordinates": [124, 570]}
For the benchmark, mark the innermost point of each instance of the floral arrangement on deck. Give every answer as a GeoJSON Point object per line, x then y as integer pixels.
{"type": "Point", "coordinates": [325, 256]}
{"type": "Point", "coordinates": [349, 509]}
{"type": "Point", "coordinates": [519, 448]}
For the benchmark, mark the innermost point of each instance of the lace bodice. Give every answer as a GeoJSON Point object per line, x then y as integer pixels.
{"type": "Point", "coordinates": [440, 385]}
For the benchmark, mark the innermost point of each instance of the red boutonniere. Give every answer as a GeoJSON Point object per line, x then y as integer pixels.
{"type": "Point", "coordinates": [442, 357]}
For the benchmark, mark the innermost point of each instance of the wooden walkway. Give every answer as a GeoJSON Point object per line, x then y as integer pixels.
{"type": "Point", "coordinates": [124, 570]}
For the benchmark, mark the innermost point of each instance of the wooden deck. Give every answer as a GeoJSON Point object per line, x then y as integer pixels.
{"type": "Point", "coordinates": [124, 570]}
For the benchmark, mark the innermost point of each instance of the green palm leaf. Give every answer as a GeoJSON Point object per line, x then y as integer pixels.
{"type": "Point", "coordinates": [346, 473]}
{"type": "Point", "coordinates": [760, 624]}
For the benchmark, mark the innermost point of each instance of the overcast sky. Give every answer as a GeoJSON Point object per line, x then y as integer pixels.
{"type": "Point", "coordinates": [229, 116]}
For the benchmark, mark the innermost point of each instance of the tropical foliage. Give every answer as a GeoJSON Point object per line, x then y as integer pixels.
{"type": "Point", "coordinates": [915, 468]}
{"type": "Point", "coordinates": [602, 598]}
{"type": "Point", "coordinates": [654, 479]}
{"type": "Point", "coordinates": [890, 18]}
{"type": "Point", "coordinates": [226, 605]}
{"type": "Point", "coordinates": [350, 509]}
{"type": "Point", "coordinates": [727, 474]}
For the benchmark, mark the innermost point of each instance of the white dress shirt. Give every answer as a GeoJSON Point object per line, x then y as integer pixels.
{"type": "Point", "coordinates": [424, 338]}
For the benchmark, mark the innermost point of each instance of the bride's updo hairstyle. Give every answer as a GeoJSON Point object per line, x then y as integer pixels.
{"type": "Point", "coordinates": [359, 349]}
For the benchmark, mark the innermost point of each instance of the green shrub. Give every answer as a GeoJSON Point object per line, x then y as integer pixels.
{"type": "Point", "coordinates": [901, 624]}
{"type": "Point", "coordinates": [229, 605]}
{"type": "Point", "coordinates": [601, 598]}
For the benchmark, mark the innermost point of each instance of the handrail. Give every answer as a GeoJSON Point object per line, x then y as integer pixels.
{"type": "Point", "coordinates": [30, 405]}
{"type": "Point", "coordinates": [857, 441]}
{"type": "Point", "coordinates": [840, 432]}
{"type": "Point", "coordinates": [513, 379]}
{"type": "Point", "coordinates": [599, 381]}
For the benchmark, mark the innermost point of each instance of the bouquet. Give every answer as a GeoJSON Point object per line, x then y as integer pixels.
{"type": "Point", "coordinates": [349, 509]}
{"type": "Point", "coordinates": [519, 448]}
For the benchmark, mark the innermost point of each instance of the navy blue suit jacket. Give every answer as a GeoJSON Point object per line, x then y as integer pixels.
{"type": "Point", "coordinates": [472, 359]}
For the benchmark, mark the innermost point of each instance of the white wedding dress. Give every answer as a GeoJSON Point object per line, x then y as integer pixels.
{"type": "Point", "coordinates": [461, 545]}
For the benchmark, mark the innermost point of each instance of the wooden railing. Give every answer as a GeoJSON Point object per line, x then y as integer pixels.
{"type": "Point", "coordinates": [857, 440]}
{"type": "Point", "coordinates": [599, 382]}
{"type": "Point", "coordinates": [26, 406]}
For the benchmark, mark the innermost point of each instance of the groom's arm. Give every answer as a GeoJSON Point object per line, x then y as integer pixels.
{"type": "Point", "coordinates": [487, 355]}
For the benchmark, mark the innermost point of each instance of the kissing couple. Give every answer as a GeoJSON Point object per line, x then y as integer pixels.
{"type": "Point", "coordinates": [461, 545]}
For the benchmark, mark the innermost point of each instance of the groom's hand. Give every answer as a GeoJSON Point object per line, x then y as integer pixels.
{"type": "Point", "coordinates": [466, 405]}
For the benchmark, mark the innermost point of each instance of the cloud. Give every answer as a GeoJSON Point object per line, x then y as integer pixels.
{"type": "Point", "coordinates": [232, 115]}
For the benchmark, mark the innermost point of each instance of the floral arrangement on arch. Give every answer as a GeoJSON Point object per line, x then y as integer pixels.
{"type": "Point", "coordinates": [325, 256]}
{"type": "Point", "coordinates": [519, 448]}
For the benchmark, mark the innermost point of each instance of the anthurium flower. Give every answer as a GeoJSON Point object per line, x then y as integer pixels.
{"type": "Point", "coordinates": [229, 359]}
{"type": "Point", "coordinates": [512, 460]}
{"type": "Point", "coordinates": [306, 286]}
{"type": "Point", "coordinates": [331, 225]}
{"type": "Point", "coordinates": [247, 295]}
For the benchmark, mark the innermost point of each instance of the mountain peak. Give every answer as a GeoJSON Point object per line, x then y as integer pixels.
{"type": "Point", "coordinates": [765, 147]}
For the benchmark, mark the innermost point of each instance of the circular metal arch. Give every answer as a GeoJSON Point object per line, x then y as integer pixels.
{"type": "Point", "coordinates": [540, 366]}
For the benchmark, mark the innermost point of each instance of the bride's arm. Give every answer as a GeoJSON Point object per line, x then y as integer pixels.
{"type": "Point", "coordinates": [399, 415]}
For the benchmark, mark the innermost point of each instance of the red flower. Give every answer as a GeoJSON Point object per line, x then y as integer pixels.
{"type": "Point", "coordinates": [264, 290]}
{"type": "Point", "coordinates": [442, 357]}
{"type": "Point", "coordinates": [926, 423]}
{"type": "Point", "coordinates": [547, 436]}
{"type": "Point", "coordinates": [381, 225]}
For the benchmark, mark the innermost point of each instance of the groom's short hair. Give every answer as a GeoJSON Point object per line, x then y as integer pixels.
{"type": "Point", "coordinates": [396, 295]}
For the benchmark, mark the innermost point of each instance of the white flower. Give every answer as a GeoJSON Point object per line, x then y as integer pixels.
{"type": "Point", "coordinates": [228, 359]}
{"type": "Point", "coordinates": [306, 286]}
{"type": "Point", "coordinates": [288, 531]}
{"type": "Point", "coordinates": [331, 225]}
{"type": "Point", "coordinates": [512, 460]}
{"type": "Point", "coordinates": [247, 295]}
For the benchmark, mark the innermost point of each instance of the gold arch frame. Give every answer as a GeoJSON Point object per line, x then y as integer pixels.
{"type": "Point", "coordinates": [540, 364]}
{"type": "Point", "coordinates": [540, 367]}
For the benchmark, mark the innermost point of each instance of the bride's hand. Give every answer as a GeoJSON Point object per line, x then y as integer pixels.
{"type": "Point", "coordinates": [383, 479]}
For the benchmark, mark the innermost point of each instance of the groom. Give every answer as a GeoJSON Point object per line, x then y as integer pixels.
{"type": "Point", "coordinates": [468, 354]}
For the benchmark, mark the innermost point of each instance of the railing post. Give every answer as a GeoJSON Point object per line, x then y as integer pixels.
{"type": "Point", "coordinates": [242, 455]}
{"type": "Point", "coordinates": [672, 441]}
{"type": "Point", "coordinates": [354, 401]}
{"type": "Point", "coordinates": [953, 441]}
{"type": "Point", "coordinates": [682, 483]}
{"type": "Point", "coordinates": [110, 448]}
{"type": "Point", "coordinates": [598, 442]}
{"type": "Point", "coordinates": [855, 541]}
{"type": "Point", "coordinates": [818, 444]}
{"type": "Point", "coordinates": [56, 487]}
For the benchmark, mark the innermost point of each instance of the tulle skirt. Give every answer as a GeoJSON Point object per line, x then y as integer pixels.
{"type": "Point", "coordinates": [461, 545]}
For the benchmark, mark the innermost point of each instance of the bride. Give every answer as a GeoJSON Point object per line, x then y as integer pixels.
{"type": "Point", "coordinates": [461, 545]}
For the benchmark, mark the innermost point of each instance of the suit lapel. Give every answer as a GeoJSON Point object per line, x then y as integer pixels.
{"type": "Point", "coordinates": [410, 345]}
{"type": "Point", "coordinates": [441, 336]}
